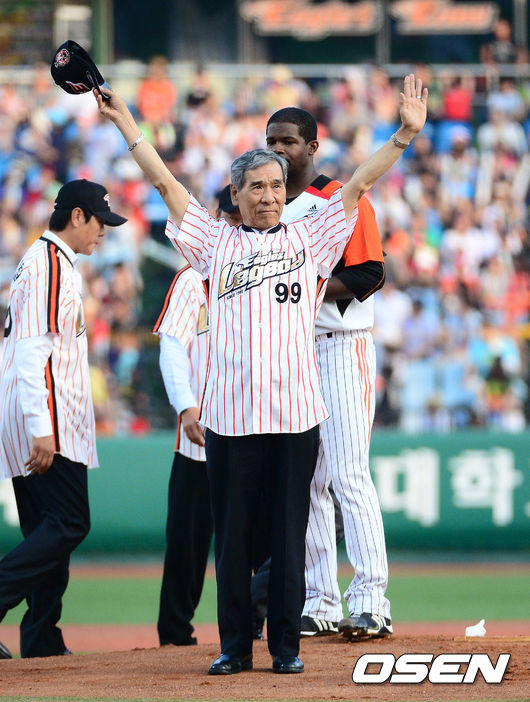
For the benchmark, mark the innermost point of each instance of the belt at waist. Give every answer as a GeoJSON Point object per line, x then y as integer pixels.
{"type": "Point", "coordinates": [342, 334]}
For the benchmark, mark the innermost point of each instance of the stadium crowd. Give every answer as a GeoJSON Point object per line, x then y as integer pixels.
{"type": "Point", "coordinates": [452, 320]}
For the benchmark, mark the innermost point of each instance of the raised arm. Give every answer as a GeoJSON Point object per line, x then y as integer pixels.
{"type": "Point", "coordinates": [173, 193]}
{"type": "Point", "coordinates": [413, 113]}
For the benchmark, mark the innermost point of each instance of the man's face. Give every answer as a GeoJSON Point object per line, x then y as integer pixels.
{"type": "Point", "coordinates": [284, 139]}
{"type": "Point", "coordinates": [262, 196]}
{"type": "Point", "coordinates": [87, 234]}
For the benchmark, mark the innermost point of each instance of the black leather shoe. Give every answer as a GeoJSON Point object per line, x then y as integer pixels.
{"type": "Point", "coordinates": [228, 665]}
{"type": "Point", "coordinates": [4, 651]}
{"type": "Point", "coordinates": [287, 664]}
{"type": "Point", "coordinates": [67, 652]}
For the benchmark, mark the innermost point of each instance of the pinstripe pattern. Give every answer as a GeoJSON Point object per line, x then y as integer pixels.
{"type": "Point", "coordinates": [347, 374]}
{"type": "Point", "coordinates": [45, 297]}
{"type": "Point", "coordinates": [262, 375]}
{"type": "Point", "coordinates": [184, 316]}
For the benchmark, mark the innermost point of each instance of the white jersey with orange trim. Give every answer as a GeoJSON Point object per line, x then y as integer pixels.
{"type": "Point", "coordinates": [45, 299]}
{"type": "Point", "coordinates": [364, 246]}
{"type": "Point", "coordinates": [346, 360]}
{"type": "Point", "coordinates": [265, 289]}
{"type": "Point", "coordinates": [184, 316]}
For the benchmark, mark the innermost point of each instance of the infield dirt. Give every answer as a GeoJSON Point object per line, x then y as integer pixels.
{"type": "Point", "coordinates": [180, 672]}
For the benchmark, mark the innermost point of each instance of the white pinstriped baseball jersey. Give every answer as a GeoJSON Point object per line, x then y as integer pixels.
{"type": "Point", "coordinates": [185, 317]}
{"type": "Point", "coordinates": [264, 292]}
{"type": "Point", "coordinates": [364, 246]}
{"type": "Point", "coordinates": [45, 298]}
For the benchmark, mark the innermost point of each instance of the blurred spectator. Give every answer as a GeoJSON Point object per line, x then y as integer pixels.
{"type": "Point", "coordinates": [507, 100]}
{"type": "Point", "coordinates": [421, 332]}
{"type": "Point", "coordinates": [157, 96]}
{"type": "Point", "coordinates": [500, 130]}
{"type": "Point", "coordinates": [458, 100]}
{"type": "Point", "coordinates": [458, 169]}
{"type": "Point", "coordinates": [501, 49]}
{"type": "Point", "coordinates": [465, 247]}
{"type": "Point", "coordinates": [392, 308]}
{"type": "Point", "coordinates": [199, 90]}
{"type": "Point", "coordinates": [281, 90]}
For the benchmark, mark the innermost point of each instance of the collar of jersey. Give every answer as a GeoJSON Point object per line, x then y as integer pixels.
{"type": "Point", "coordinates": [272, 230]}
{"type": "Point", "coordinates": [67, 251]}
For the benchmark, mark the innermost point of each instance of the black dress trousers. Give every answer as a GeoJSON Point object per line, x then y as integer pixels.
{"type": "Point", "coordinates": [251, 476]}
{"type": "Point", "coordinates": [189, 530]}
{"type": "Point", "coordinates": [54, 518]}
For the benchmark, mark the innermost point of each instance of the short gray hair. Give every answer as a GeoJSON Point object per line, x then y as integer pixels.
{"type": "Point", "coordinates": [251, 160]}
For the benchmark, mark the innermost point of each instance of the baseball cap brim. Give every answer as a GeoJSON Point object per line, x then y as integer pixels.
{"type": "Point", "coordinates": [111, 219]}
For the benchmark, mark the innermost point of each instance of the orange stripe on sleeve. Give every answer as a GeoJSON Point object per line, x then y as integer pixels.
{"type": "Point", "coordinates": [52, 406]}
{"type": "Point", "coordinates": [365, 242]}
{"type": "Point", "coordinates": [54, 274]}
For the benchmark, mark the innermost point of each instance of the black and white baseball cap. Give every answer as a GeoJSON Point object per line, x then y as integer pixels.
{"type": "Point", "coordinates": [73, 69]}
{"type": "Point", "coordinates": [91, 197]}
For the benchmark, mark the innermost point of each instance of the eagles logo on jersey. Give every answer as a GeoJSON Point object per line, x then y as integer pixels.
{"type": "Point", "coordinates": [252, 270]}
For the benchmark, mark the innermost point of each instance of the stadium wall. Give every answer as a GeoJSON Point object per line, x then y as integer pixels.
{"type": "Point", "coordinates": [464, 491]}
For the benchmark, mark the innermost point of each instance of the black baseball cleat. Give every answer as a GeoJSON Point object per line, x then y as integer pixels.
{"type": "Point", "coordinates": [287, 664]}
{"type": "Point", "coordinates": [229, 665]}
{"type": "Point", "coordinates": [366, 626]}
{"type": "Point", "coordinates": [317, 627]}
{"type": "Point", "coordinates": [5, 653]}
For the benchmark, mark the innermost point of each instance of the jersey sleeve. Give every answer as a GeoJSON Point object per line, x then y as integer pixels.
{"type": "Point", "coordinates": [43, 299]}
{"type": "Point", "coordinates": [365, 244]}
{"type": "Point", "coordinates": [328, 233]}
{"type": "Point", "coordinates": [30, 360]}
{"type": "Point", "coordinates": [176, 372]}
{"type": "Point", "coordinates": [195, 236]}
{"type": "Point", "coordinates": [180, 311]}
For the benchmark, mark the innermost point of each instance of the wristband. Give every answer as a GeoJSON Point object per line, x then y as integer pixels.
{"type": "Point", "coordinates": [396, 142]}
{"type": "Point", "coordinates": [135, 143]}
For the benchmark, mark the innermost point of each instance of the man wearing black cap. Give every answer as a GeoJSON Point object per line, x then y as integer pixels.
{"type": "Point", "coordinates": [47, 428]}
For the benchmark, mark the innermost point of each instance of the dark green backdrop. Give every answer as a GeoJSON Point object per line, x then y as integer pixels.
{"type": "Point", "coordinates": [467, 491]}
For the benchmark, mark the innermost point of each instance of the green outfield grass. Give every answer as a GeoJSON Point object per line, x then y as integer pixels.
{"type": "Point", "coordinates": [414, 598]}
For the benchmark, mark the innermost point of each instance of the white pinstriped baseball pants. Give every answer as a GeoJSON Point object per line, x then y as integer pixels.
{"type": "Point", "coordinates": [347, 375]}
